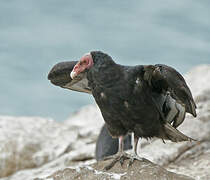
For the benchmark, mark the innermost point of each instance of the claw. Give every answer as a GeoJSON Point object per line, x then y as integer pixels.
{"type": "Point", "coordinates": [131, 162]}
{"type": "Point", "coordinates": [118, 157]}
{"type": "Point", "coordinates": [122, 159]}
{"type": "Point", "coordinates": [133, 157]}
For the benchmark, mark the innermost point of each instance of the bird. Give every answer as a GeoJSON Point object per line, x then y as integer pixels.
{"type": "Point", "coordinates": [105, 145]}
{"type": "Point", "coordinates": [147, 100]}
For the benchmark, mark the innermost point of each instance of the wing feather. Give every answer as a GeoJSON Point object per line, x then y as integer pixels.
{"type": "Point", "coordinates": [163, 77]}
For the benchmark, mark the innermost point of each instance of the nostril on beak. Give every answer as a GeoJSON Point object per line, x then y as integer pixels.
{"type": "Point", "coordinates": [75, 68]}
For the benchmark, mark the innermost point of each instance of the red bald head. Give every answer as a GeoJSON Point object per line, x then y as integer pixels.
{"type": "Point", "coordinates": [86, 62]}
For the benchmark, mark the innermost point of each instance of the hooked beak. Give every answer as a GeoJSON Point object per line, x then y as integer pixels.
{"type": "Point", "coordinates": [73, 74]}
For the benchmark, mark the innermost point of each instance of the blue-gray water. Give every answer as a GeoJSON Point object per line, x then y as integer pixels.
{"type": "Point", "coordinates": [34, 35]}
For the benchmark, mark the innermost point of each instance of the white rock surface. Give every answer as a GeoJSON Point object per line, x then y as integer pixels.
{"type": "Point", "coordinates": [46, 145]}
{"type": "Point", "coordinates": [88, 121]}
{"type": "Point", "coordinates": [28, 142]}
{"type": "Point", "coordinates": [198, 79]}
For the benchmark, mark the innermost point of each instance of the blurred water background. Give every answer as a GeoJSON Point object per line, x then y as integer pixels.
{"type": "Point", "coordinates": [34, 35]}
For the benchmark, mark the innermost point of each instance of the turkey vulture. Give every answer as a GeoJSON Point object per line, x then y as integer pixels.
{"type": "Point", "coordinates": [148, 100]}
{"type": "Point", "coordinates": [105, 145]}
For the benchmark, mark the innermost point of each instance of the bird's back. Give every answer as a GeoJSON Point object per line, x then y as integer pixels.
{"type": "Point", "coordinates": [127, 105]}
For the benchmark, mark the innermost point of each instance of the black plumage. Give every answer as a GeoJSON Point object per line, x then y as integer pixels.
{"type": "Point", "coordinates": [144, 100]}
{"type": "Point", "coordinates": [126, 97]}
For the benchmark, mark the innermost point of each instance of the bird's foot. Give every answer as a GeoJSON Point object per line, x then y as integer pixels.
{"type": "Point", "coordinates": [121, 157]}
{"type": "Point", "coordinates": [133, 157]}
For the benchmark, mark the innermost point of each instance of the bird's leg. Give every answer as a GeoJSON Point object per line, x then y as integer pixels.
{"type": "Point", "coordinates": [121, 144]}
{"type": "Point", "coordinates": [134, 155]}
{"type": "Point", "coordinates": [120, 149]}
{"type": "Point", "coordinates": [136, 140]}
{"type": "Point", "coordinates": [120, 156]}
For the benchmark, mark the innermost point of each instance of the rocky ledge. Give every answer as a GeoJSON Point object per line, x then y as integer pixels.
{"type": "Point", "coordinates": [39, 148]}
{"type": "Point", "coordinates": [140, 170]}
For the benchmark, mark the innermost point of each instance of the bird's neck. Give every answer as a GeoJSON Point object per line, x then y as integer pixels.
{"type": "Point", "coordinates": [106, 76]}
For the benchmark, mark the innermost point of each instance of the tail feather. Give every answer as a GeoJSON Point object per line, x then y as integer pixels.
{"type": "Point", "coordinates": [193, 108]}
{"type": "Point", "coordinates": [174, 135]}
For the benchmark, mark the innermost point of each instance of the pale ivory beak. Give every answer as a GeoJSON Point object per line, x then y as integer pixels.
{"type": "Point", "coordinates": [73, 74]}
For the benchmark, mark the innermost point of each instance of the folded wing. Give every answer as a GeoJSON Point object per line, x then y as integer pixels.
{"type": "Point", "coordinates": [165, 78]}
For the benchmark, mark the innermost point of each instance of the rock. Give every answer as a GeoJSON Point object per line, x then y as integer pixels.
{"type": "Point", "coordinates": [88, 121]}
{"type": "Point", "coordinates": [140, 170]}
{"type": "Point", "coordinates": [195, 162]}
{"type": "Point", "coordinates": [197, 79]}
{"type": "Point", "coordinates": [27, 142]}
{"type": "Point", "coordinates": [32, 142]}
